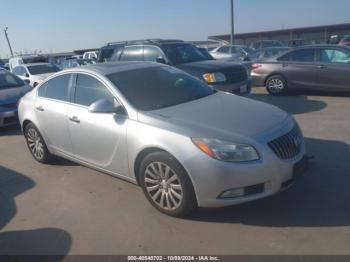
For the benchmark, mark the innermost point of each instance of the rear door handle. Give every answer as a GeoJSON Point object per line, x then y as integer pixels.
{"type": "Point", "coordinates": [322, 67]}
{"type": "Point", "coordinates": [74, 119]}
{"type": "Point", "coordinates": [40, 108]}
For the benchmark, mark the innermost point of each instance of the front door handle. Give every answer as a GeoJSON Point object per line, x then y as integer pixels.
{"type": "Point", "coordinates": [74, 119]}
{"type": "Point", "coordinates": [321, 67]}
{"type": "Point", "coordinates": [40, 108]}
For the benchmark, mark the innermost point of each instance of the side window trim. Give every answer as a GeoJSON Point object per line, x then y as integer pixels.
{"type": "Point", "coordinates": [74, 85]}
{"type": "Point", "coordinates": [156, 47]}
{"type": "Point", "coordinates": [52, 99]}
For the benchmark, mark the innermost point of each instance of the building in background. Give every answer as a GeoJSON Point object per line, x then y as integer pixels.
{"type": "Point", "coordinates": [309, 35]}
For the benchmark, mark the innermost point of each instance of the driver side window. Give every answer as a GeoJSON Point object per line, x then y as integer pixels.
{"type": "Point", "coordinates": [89, 90]}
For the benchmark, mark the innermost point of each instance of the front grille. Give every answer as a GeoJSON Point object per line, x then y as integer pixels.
{"type": "Point", "coordinates": [289, 145]}
{"type": "Point", "coordinates": [236, 76]}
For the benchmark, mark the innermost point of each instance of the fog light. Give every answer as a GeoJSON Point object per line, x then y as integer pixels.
{"type": "Point", "coordinates": [232, 193]}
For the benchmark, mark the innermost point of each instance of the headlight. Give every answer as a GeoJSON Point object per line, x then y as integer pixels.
{"type": "Point", "coordinates": [214, 77]}
{"type": "Point", "coordinates": [226, 151]}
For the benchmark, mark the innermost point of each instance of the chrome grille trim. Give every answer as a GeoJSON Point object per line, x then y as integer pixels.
{"type": "Point", "coordinates": [289, 145]}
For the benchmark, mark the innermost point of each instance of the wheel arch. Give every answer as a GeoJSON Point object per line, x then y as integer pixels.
{"type": "Point", "coordinates": [140, 156]}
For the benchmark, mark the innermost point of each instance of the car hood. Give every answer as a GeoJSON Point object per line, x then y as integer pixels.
{"type": "Point", "coordinates": [10, 96]}
{"type": "Point", "coordinates": [208, 66]}
{"type": "Point", "coordinates": [222, 116]}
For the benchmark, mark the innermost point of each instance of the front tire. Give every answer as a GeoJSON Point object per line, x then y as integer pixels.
{"type": "Point", "coordinates": [166, 185]}
{"type": "Point", "coordinates": [276, 85]}
{"type": "Point", "coordinates": [36, 144]}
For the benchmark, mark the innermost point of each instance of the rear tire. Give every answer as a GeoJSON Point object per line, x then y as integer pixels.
{"type": "Point", "coordinates": [166, 185]}
{"type": "Point", "coordinates": [36, 144]}
{"type": "Point", "coordinates": [276, 85]}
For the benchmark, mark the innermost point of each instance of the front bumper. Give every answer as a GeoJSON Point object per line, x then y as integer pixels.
{"type": "Point", "coordinates": [8, 116]}
{"type": "Point", "coordinates": [236, 88]}
{"type": "Point", "coordinates": [258, 79]}
{"type": "Point", "coordinates": [259, 179]}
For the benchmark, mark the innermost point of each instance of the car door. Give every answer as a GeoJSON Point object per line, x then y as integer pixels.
{"type": "Point", "coordinates": [334, 69]}
{"type": "Point", "coordinates": [300, 68]}
{"type": "Point", "coordinates": [51, 108]}
{"type": "Point", "coordinates": [98, 139]}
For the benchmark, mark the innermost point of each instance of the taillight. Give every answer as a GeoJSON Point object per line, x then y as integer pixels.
{"type": "Point", "coordinates": [255, 66]}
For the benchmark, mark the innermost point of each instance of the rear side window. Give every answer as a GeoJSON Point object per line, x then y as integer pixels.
{"type": "Point", "coordinates": [89, 90]}
{"type": "Point", "coordinates": [151, 53]}
{"type": "Point", "coordinates": [132, 53]}
{"type": "Point", "coordinates": [305, 55]}
{"type": "Point", "coordinates": [105, 55]}
{"type": "Point", "coordinates": [56, 88]}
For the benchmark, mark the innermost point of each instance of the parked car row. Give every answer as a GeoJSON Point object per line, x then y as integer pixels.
{"type": "Point", "coordinates": [155, 109]}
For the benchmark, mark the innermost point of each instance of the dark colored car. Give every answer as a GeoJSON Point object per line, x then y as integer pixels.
{"type": "Point", "coordinates": [319, 67]}
{"type": "Point", "coordinates": [220, 75]}
{"type": "Point", "coordinates": [205, 52]}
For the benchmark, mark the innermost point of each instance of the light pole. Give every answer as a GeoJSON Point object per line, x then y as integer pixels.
{"type": "Point", "coordinates": [232, 23]}
{"type": "Point", "coordinates": [8, 41]}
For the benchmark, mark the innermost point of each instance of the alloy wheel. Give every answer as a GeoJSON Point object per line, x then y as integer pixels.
{"type": "Point", "coordinates": [35, 143]}
{"type": "Point", "coordinates": [163, 186]}
{"type": "Point", "coordinates": [275, 86]}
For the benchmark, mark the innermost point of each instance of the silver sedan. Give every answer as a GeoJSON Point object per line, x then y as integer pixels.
{"type": "Point", "coordinates": [184, 143]}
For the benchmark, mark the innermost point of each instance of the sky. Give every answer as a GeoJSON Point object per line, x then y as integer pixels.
{"type": "Point", "coordinates": [67, 25]}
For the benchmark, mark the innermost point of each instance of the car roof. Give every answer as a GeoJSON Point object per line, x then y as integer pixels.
{"type": "Point", "coordinates": [321, 46]}
{"type": "Point", "coordinates": [142, 42]}
{"type": "Point", "coordinates": [114, 67]}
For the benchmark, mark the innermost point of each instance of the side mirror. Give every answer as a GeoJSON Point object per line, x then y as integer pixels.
{"type": "Point", "coordinates": [26, 75]}
{"type": "Point", "coordinates": [161, 60]}
{"type": "Point", "coordinates": [104, 106]}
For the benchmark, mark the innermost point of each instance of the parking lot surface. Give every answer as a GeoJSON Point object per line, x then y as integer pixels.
{"type": "Point", "coordinates": [70, 209]}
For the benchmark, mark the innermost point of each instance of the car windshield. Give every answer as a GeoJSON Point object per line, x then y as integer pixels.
{"type": "Point", "coordinates": [183, 53]}
{"type": "Point", "coordinates": [42, 69]}
{"type": "Point", "coordinates": [8, 80]}
{"type": "Point", "coordinates": [159, 87]}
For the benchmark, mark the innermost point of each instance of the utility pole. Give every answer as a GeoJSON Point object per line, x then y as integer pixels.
{"type": "Point", "coordinates": [8, 41]}
{"type": "Point", "coordinates": [232, 23]}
